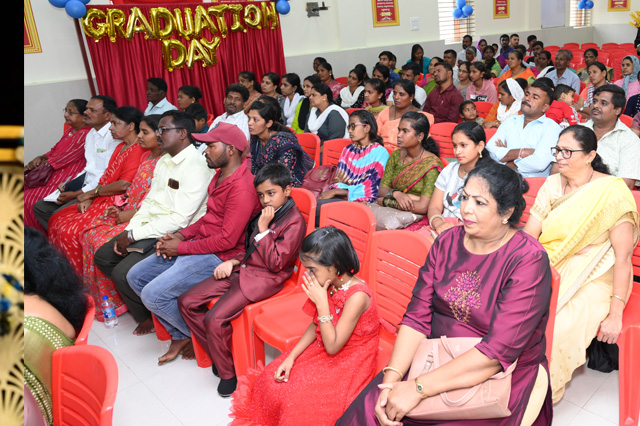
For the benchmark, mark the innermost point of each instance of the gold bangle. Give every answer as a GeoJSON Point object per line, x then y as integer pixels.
{"type": "Point", "coordinates": [435, 216]}
{"type": "Point", "coordinates": [384, 370]}
{"type": "Point", "coordinates": [97, 192]}
{"type": "Point", "coordinates": [619, 298]}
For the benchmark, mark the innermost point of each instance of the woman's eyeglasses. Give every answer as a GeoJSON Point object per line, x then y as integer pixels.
{"type": "Point", "coordinates": [352, 126]}
{"type": "Point", "coordinates": [566, 153]}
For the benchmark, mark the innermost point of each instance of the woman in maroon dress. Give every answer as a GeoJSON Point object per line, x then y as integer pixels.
{"type": "Point", "coordinates": [486, 279]}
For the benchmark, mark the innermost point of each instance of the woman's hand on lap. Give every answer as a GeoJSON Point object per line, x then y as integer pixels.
{"type": "Point", "coordinates": [404, 201]}
{"type": "Point", "coordinates": [610, 328]}
{"type": "Point", "coordinates": [401, 399]}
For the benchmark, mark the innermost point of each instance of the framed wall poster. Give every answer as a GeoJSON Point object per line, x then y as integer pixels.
{"type": "Point", "coordinates": [31, 40]}
{"type": "Point", "coordinates": [500, 9]}
{"type": "Point", "coordinates": [618, 5]}
{"type": "Point", "coordinates": [385, 13]}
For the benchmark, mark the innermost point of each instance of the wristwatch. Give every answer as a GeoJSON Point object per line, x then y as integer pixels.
{"type": "Point", "coordinates": [420, 389]}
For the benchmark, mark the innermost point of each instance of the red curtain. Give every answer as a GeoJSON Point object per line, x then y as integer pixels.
{"type": "Point", "coordinates": [123, 67]}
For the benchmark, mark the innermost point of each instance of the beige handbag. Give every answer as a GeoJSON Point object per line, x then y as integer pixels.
{"type": "Point", "coordinates": [488, 400]}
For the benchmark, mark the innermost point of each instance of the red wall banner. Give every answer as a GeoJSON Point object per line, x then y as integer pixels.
{"type": "Point", "coordinates": [385, 13]}
{"type": "Point", "coordinates": [500, 9]}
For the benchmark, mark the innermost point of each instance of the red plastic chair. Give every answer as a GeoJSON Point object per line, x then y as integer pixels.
{"type": "Point", "coordinates": [332, 149]}
{"type": "Point", "coordinates": [310, 142]}
{"type": "Point", "coordinates": [489, 133]}
{"type": "Point", "coordinates": [553, 303]}
{"type": "Point", "coordinates": [627, 120]}
{"type": "Point", "coordinates": [441, 133]}
{"type": "Point", "coordinates": [350, 110]}
{"type": "Point", "coordinates": [530, 196]}
{"type": "Point", "coordinates": [210, 119]}
{"type": "Point", "coordinates": [343, 80]}
{"type": "Point", "coordinates": [483, 108]}
{"type": "Point", "coordinates": [84, 386]}
{"type": "Point", "coordinates": [627, 46]}
{"type": "Point", "coordinates": [585, 46]}
{"type": "Point", "coordinates": [609, 46]}
{"type": "Point", "coordinates": [570, 46]}
{"type": "Point", "coordinates": [281, 323]}
{"type": "Point", "coordinates": [603, 57]}
{"type": "Point", "coordinates": [81, 338]}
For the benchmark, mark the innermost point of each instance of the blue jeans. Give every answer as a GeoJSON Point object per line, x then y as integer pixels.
{"type": "Point", "coordinates": [159, 282]}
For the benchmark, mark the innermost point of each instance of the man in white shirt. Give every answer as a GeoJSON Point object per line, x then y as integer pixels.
{"type": "Point", "coordinates": [411, 71]}
{"type": "Point", "coordinates": [236, 96]}
{"type": "Point", "coordinates": [175, 200]}
{"type": "Point", "coordinates": [98, 147]}
{"type": "Point", "coordinates": [157, 97]}
{"type": "Point", "coordinates": [467, 41]}
{"type": "Point", "coordinates": [449, 57]}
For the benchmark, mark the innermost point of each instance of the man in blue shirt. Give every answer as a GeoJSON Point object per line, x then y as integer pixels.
{"type": "Point", "coordinates": [524, 142]}
{"type": "Point", "coordinates": [562, 74]}
{"type": "Point", "coordinates": [385, 58]}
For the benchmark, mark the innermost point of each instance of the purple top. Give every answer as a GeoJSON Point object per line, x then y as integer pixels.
{"type": "Point", "coordinates": [502, 297]}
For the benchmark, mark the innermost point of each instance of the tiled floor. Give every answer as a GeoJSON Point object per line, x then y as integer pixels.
{"type": "Point", "coordinates": [181, 393]}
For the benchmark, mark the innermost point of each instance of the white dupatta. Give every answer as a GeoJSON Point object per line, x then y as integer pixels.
{"type": "Point", "coordinates": [314, 121]}
{"type": "Point", "coordinates": [289, 108]}
{"type": "Point", "coordinates": [349, 98]}
{"type": "Point", "coordinates": [518, 94]}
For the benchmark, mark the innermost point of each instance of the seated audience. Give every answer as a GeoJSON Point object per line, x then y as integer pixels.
{"type": "Point", "coordinates": [62, 163]}
{"type": "Point", "coordinates": [325, 119]}
{"type": "Point", "coordinates": [292, 91]}
{"type": "Point", "coordinates": [482, 43]}
{"type": "Point", "coordinates": [389, 119]}
{"type": "Point", "coordinates": [481, 87]}
{"type": "Point", "coordinates": [236, 96]}
{"type": "Point", "coordinates": [472, 54]}
{"type": "Point", "coordinates": [363, 69]}
{"type": "Point", "coordinates": [524, 142]}
{"type": "Point", "coordinates": [271, 142]}
{"type": "Point", "coordinates": [352, 96]}
{"type": "Point", "coordinates": [187, 257]}
{"type": "Point", "coordinates": [516, 68]}
{"type": "Point", "coordinates": [469, 141]}
{"type": "Point", "coordinates": [386, 58]}
{"type": "Point", "coordinates": [428, 83]}
{"type": "Point", "coordinates": [200, 117]}
{"type": "Point", "coordinates": [629, 81]}
{"type": "Point", "coordinates": [562, 74]}
{"type": "Point", "coordinates": [531, 39]}
{"type": "Point", "coordinates": [337, 354]}
{"type": "Point", "coordinates": [444, 102]}
{"type": "Point", "coordinates": [410, 72]}
{"type": "Point", "coordinates": [543, 64]}
{"type": "Point", "coordinates": [488, 57]}
{"type": "Point", "coordinates": [374, 96]}
{"type": "Point", "coordinates": [409, 175]}
{"type": "Point", "coordinates": [590, 57]}
{"type": "Point", "coordinates": [271, 87]}
{"type": "Point", "coordinates": [55, 305]}
{"type": "Point", "coordinates": [249, 80]}
{"type": "Point", "coordinates": [536, 47]}
{"type": "Point", "coordinates": [325, 73]}
{"type": "Point", "coordinates": [597, 78]}
{"type": "Point", "coordinates": [467, 41]}
{"type": "Point", "coordinates": [510, 95]}
{"type": "Point", "coordinates": [519, 48]}
{"type": "Point", "coordinates": [468, 112]}
{"type": "Point", "coordinates": [316, 63]}
{"type": "Point", "coordinates": [188, 95]}
{"type": "Point", "coordinates": [361, 164]}
{"type": "Point", "coordinates": [449, 57]}
{"type": "Point", "coordinates": [98, 148]}
{"type": "Point", "coordinates": [618, 146]}
{"type": "Point", "coordinates": [175, 200]}
{"type": "Point", "coordinates": [67, 225]}
{"type": "Point", "coordinates": [505, 49]}
{"type": "Point", "coordinates": [476, 279]}
{"type": "Point", "coordinates": [463, 78]}
{"type": "Point", "coordinates": [115, 218]}
{"type": "Point", "coordinates": [381, 72]}
{"type": "Point", "coordinates": [273, 240]}
{"type": "Point", "coordinates": [594, 266]}
{"type": "Point", "coordinates": [304, 106]}
{"type": "Point", "coordinates": [632, 107]}
{"type": "Point", "coordinates": [417, 57]}
{"type": "Point", "coordinates": [635, 124]}
{"type": "Point", "coordinates": [561, 109]}
{"type": "Point", "coordinates": [157, 97]}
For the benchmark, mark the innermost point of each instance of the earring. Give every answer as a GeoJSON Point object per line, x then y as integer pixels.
{"type": "Point", "coordinates": [588, 162]}
{"type": "Point", "coordinates": [480, 154]}
{"type": "Point", "coordinates": [505, 221]}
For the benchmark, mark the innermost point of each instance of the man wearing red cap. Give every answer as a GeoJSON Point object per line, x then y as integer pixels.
{"type": "Point", "coordinates": [189, 256]}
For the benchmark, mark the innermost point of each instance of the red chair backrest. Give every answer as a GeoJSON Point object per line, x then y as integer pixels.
{"type": "Point", "coordinates": [350, 110]}
{"type": "Point", "coordinates": [81, 338]}
{"type": "Point", "coordinates": [627, 46]}
{"type": "Point", "coordinates": [210, 119]}
{"type": "Point", "coordinates": [483, 108]}
{"type": "Point", "coordinates": [342, 80]}
{"type": "Point", "coordinates": [357, 221]}
{"type": "Point", "coordinates": [84, 385]}
{"type": "Point", "coordinates": [585, 46]}
{"type": "Point", "coordinates": [626, 119]}
{"type": "Point", "coordinates": [310, 142]}
{"type": "Point", "coordinates": [306, 203]}
{"type": "Point", "coordinates": [569, 46]}
{"type": "Point", "coordinates": [608, 46]}
{"type": "Point", "coordinates": [553, 303]}
{"type": "Point", "coordinates": [395, 258]}
{"type": "Point", "coordinates": [530, 196]}
{"type": "Point", "coordinates": [441, 133]}
{"type": "Point", "coordinates": [332, 149]}
{"type": "Point", "coordinates": [635, 260]}
{"type": "Point", "coordinates": [489, 133]}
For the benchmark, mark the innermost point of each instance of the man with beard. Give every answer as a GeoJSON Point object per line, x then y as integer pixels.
{"type": "Point", "coordinates": [157, 97]}
{"type": "Point", "coordinates": [236, 96]}
{"type": "Point", "coordinates": [523, 142]}
{"type": "Point", "coordinates": [175, 200]}
{"type": "Point", "coordinates": [444, 101]}
{"type": "Point", "coordinates": [189, 256]}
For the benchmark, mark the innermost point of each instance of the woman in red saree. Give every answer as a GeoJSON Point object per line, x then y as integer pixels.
{"type": "Point", "coordinates": [66, 159]}
{"type": "Point", "coordinates": [67, 225]}
{"type": "Point", "coordinates": [116, 217]}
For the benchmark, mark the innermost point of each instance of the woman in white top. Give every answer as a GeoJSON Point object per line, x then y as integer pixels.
{"type": "Point", "coordinates": [352, 96]}
{"type": "Point", "coordinates": [292, 91]}
{"type": "Point", "coordinates": [326, 119]}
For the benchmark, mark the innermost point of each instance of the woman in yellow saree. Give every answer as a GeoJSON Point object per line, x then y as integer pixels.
{"type": "Point", "coordinates": [588, 222]}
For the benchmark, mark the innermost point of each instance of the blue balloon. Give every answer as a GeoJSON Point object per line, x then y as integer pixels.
{"type": "Point", "coordinates": [461, 3]}
{"type": "Point", "coordinates": [457, 13]}
{"type": "Point", "coordinates": [589, 4]}
{"type": "Point", "coordinates": [582, 4]}
{"type": "Point", "coordinates": [283, 7]}
{"type": "Point", "coordinates": [75, 8]}
{"type": "Point", "coordinates": [58, 3]}
{"type": "Point", "coordinates": [85, 1]}
{"type": "Point", "coordinates": [467, 10]}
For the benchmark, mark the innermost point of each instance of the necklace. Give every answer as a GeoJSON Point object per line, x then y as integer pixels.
{"type": "Point", "coordinates": [405, 161]}
{"type": "Point", "coordinates": [564, 192]}
{"type": "Point", "coordinates": [344, 287]}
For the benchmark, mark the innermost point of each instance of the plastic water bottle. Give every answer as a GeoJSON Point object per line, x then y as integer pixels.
{"type": "Point", "coordinates": [108, 312]}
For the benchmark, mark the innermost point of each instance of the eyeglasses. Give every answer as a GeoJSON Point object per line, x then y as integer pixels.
{"type": "Point", "coordinates": [352, 126]}
{"type": "Point", "coordinates": [566, 153]}
{"type": "Point", "coordinates": [161, 130]}
{"type": "Point", "coordinates": [66, 111]}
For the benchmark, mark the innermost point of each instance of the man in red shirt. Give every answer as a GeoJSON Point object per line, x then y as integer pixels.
{"type": "Point", "coordinates": [444, 101]}
{"type": "Point", "coordinates": [191, 255]}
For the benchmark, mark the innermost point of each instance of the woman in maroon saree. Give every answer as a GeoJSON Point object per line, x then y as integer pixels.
{"type": "Point", "coordinates": [486, 279]}
{"type": "Point", "coordinates": [66, 226]}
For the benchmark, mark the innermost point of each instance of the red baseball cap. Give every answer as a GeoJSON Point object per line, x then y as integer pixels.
{"type": "Point", "coordinates": [225, 133]}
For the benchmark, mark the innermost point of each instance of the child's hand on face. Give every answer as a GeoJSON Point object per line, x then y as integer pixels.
{"type": "Point", "coordinates": [265, 218]}
{"type": "Point", "coordinates": [315, 291]}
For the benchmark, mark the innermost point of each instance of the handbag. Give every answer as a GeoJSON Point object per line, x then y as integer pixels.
{"type": "Point", "coordinates": [487, 400]}
{"type": "Point", "coordinates": [319, 180]}
{"type": "Point", "coordinates": [390, 218]}
{"type": "Point", "coordinates": [38, 176]}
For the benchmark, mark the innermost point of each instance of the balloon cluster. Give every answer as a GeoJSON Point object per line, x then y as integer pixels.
{"type": "Point", "coordinates": [585, 4]}
{"type": "Point", "coordinates": [463, 10]}
{"type": "Point", "coordinates": [75, 8]}
{"type": "Point", "coordinates": [283, 7]}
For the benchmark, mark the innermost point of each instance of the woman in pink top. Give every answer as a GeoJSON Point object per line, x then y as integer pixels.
{"type": "Point", "coordinates": [481, 87]}
{"type": "Point", "coordinates": [629, 81]}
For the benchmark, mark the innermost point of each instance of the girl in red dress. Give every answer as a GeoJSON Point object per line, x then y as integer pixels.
{"type": "Point", "coordinates": [316, 380]}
